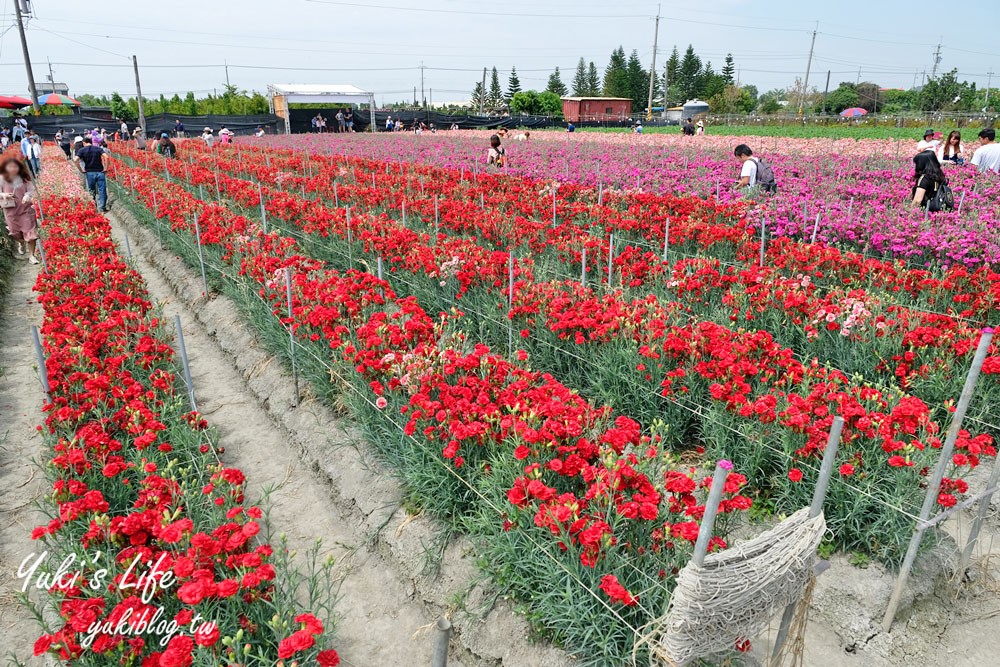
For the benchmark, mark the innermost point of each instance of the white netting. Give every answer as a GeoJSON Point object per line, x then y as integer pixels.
{"type": "Point", "coordinates": [737, 592]}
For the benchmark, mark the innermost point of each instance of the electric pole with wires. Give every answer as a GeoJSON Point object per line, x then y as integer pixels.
{"type": "Point", "coordinates": [652, 69]}
{"type": "Point", "coordinates": [22, 7]}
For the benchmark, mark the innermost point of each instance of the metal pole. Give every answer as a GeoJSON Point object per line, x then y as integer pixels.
{"type": "Point", "coordinates": [440, 655]}
{"type": "Point", "coordinates": [201, 255]}
{"type": "Point", "coordinates": [510, 303]}
{"type": "Point", "coordinates": [336, 195]}
{"type": "Point", "coordinates": [763, 240]}
{"type": "Point", "coordinates": [41, 251]}
{"type": "Point", "coordinates": [350, 241]}
{"type": "Point", "coordinates": [404, 213]}
{"type": "Point", "coordinates": [611, 257]}
{"type": "Point", "coordinates": [43, 371]}
{"type": "Point", "coordinates": [128, 247]}
{"type": "Point", "coordinates": [184, 362]}
{"type": "Point", "coordinates": [819, 495]}
{"type": "Point", "coordinates": [666, 238]}
{"type": "Point", "coordinates": [711, 510]}
{"type": "Point", "coordinates": [291, 334]}
{"type": "Point", "coordinates": [934, 485]}
{"type": "Point", "coordinates": [138, 95]}
{"type": "Point", "coordinates": [583, 267]}
{"type": "Point", "coordinates": [436, 214]}
{"type": "Point", "coordinates": [554, 188]}
{"type": "Point", "coordinates": [815, 229]}
{"type": "Point", "coordinates": [961, 201]}
{"type": "Point", "coordinates": [263, 208]}
{"type": "Point", "coordinates": [27, 58]}
{"type": "Point", "coordinates": [600, 192]}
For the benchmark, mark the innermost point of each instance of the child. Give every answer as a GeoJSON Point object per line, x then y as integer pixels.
{"type": "Point", "coordinates": [497, 156]}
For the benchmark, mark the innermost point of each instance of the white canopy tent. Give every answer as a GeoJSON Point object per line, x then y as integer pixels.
{"type": "Point", "coordinates": [281, 95]}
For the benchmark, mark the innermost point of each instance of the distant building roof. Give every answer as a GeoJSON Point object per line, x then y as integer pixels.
{"type": "Point", "coordinates": [291, 89]}
{"type": "Point", "coordinates": [598, 97]}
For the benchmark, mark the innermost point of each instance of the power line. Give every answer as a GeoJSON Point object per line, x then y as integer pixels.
{"type": "Point", "coordinates": [427, 10]}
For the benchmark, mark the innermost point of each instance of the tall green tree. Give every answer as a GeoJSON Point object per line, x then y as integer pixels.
{"type": "Point", "coordinates": [494, 99]}
{"type": "Point", "coordinates": [556, 84]}
{"type": "Point", "coordinates": [616, 75]}
{"type": "Point", "coordinates": [638, 82]}
{"type": "Point", "coordinates": [689, 75]}
{"type": "Point", "coordinates": [120, 109]}
{"type": "Point", "coordinates": [580, 85]}
{"type": "Point", "coordinates": [478, 96]}
{"type": "Point", "coordinates": [513, 85]}
{"type": "Point", "coordinates": [729, 70]}
{"type": "Point", "coordinates": [672, 72]}
{"type": "Point", "coordinates": [593, 80]}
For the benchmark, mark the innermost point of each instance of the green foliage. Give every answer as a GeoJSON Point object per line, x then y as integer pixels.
{"type": "Point", "coordinates": [536, 103]}
{"type": "Point", "coordinates": [947, 93]}
{"type": "Point", "coordinates": [638, 82]}
{"type": "Point", "coordinates": [689, 75]}
{"type": "Point", "coordinates": [478, 96]}
{"type": "Point", "coordinates": [593, 79]}
{"type": "Point", "coordinates": [555, 84]}
{"type": "Point", "coordinates": [120, 109]}
{"type": "Point", "coordinates": [616, 82]}
{"type": "Point", "coordinates": [729, 70]}
{"type": "Point", "coordinates": [513, 85]}
{"type": "Point", "coordinates": [494, 99]}
{"type": "Point", "coordinates": [581, 85]}
{"type": "Point", "coordinates": [845, 96]}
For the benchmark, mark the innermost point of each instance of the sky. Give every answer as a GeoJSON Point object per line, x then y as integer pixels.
{"type": "Point", "coordinates": [380, 45]}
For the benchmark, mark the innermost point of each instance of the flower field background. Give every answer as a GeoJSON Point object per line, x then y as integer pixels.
{"type": "Point", "coordinates": [154, 554]}
{"type": "Point", "coordinates": [551, 372]}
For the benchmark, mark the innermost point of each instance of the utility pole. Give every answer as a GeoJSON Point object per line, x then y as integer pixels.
{"type": "Point", "coordinates": [226, 64]}
{"type": "Point", "coordinates": [989, 83]}
{"type": "Point", "coordinates": [858, 81]}
{"type": "Point", "coordinates": [805, 85]}
{"type": "Point", "coordinates": [423, 98]}
{"type": "Point", "coordinates": [52, 77]}
{"type": "Point", "coordinates": [652, 67]}
{"type": "Point", "coordinates": [826, 91]}
{"type": "Point", "coordinates": [482, 99]}
{"type": "Point", "coordinates": [138, 94]}
{"type": "Point", "coordinates": [27, 58]}
{"type": "Point", "coordinates": [937, 60]}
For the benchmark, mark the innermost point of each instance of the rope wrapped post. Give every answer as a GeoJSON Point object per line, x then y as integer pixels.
{"type": "Point", "coordinates": [184, 362]}
{"type": "Point", "coordinates": [201, 254]}
{"type": "Point", "coordinates": [977, 524]}
{"type": "Point", "coordinates": [43, 371]}
{"type": "Point", "coordinates": [934, 485]}
{"type": "Point", "coordinates": [819, 496]}
{"type": "Point", "coordinates": [711, 511]}
{"type": "Point", "coordinates": [441, 641]}
{"type": "Point", "coordinates": [291, 335]}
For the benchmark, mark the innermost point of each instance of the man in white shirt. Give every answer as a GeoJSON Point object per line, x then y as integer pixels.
{"type": "Point", "coordinates": [987, 156]}
{"type": "Point", "coordinates": [748, 172]}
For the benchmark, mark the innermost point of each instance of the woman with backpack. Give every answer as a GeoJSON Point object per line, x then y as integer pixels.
{"type": "Point", "coordinates": [931, 189]}
{"type": "Point", "coordinates": [497, 155]}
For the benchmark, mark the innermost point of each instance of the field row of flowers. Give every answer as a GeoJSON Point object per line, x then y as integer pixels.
{"type": "Point", "coordinates": [738, 393]}
{"type": "Point", "coordinates": [558, 493]}
{"type": "Point", "coordinates": [914, 350]}
{"type": "Point", "coordinates": [859, 189]}
{"type": "Point", "coordinates": [153, 555]}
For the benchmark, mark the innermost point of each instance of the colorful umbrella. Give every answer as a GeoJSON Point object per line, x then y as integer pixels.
{"type": "Point", "coordinates": [57, 100]}
{"type": "Point", "coordinates": [853, 112]}
{"type": "Point", "coordinates": [13, 102]}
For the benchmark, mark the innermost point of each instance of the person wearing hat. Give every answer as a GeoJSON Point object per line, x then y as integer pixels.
{"type": "Point", "coordinates": [208, 137]}
{"type": "Point", "coordinates": [166, 147]}
{"type": "Point", "coordinates": [699, 128]}
{"type": "Point", "coordinates": [140, 137]}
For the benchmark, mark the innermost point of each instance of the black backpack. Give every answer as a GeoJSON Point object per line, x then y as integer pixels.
{"type": "Point", "coordinates": [943, 199]}
{"type": "Point", "coordinates": [765, 177]}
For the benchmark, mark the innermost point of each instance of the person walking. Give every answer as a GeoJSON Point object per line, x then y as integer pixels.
{"type": "Point", "coordinates": [17, 193]}
{"type": "Point", "coordinates": [124, 134]}
{"type": "Point", "coordinates": [35, 155]}
{"type": "Point", "coordinates": [178, 128]}
{"type": "Point", "coordinates": [349, 120]}
{"type": "Point", "coordinates": [987, 156]}
{"type": "Point", "coordinates": [66, 142]}
{"type": "Point", "coordinates": [90, 161]}
{"type": "Point", "coordinates": [26, 147]}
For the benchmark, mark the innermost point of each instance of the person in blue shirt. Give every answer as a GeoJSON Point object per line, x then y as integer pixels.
{"type": "Point", "coordinates": [26, 146]}
{"type": "Point", "coordinates": [570, 127]}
